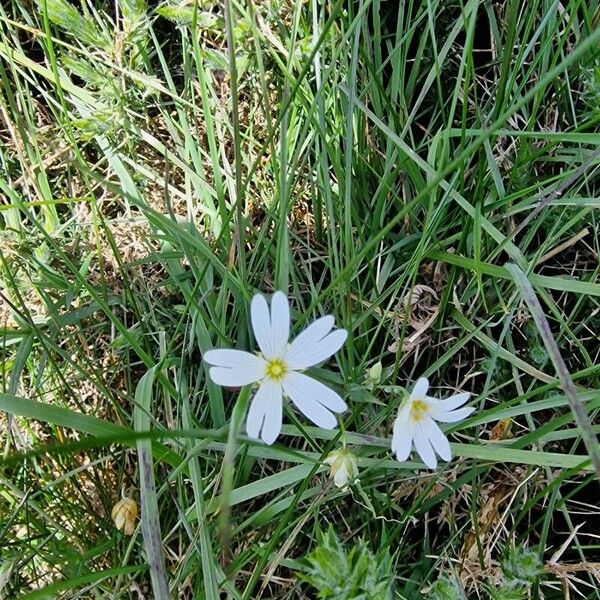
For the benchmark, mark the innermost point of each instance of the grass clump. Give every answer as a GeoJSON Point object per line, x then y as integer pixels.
{"type": "Point", "coordinates": [424, 172]}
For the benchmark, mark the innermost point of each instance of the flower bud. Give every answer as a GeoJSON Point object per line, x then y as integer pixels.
{"type": "Point", "coordinates": [344, 467]}
{"type": "Point", "coordinates": [375, 373]}
{"type": "Point", "coordinates": [124, 514]}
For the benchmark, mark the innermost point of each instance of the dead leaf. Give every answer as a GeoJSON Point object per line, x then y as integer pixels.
{"type": "Point", "coordinates": [501, 430]}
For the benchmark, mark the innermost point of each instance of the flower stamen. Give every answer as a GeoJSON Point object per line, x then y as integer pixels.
{"type": "Point", "coordinates": [276, 369]}
{"type": "Point", "coordinates": [418, 410]}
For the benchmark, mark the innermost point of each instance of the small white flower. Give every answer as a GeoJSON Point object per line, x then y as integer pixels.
{"type": "Point", "coordinates": [415, 424]}
{"type": "Point", "coordinates": [277, 370]}
{"type": "Point", "coordinates": [344, 467]}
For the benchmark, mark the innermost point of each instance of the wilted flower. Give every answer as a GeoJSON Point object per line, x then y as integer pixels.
{"type": "Point", "coordinates": [415, 424]}
{"type": "Point", "coordinates": [344, 467]}
{"type": "Point", "coordinates": [277, 369]}
{"type": "Point", "coordinates": [124, 514]}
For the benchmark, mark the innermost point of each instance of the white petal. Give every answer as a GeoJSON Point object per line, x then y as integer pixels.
{"type": "Point", "coordinates": [265, 413]}
{"type": "Point", "coordinates": [261, 325]}
{"type": "Point", "coordinates": [231, 359]}
{"type": "Point", "coordinates": [448, 404]}
{"type": "Point", "coordinates": [259, 405]}
{"type": "Point", "coordinates": [271, 328]}
{"type": "Point", "coordinates": [437, 438]}
{"type": "Point", "coordinates": [452, 416]}
{"type": "Point", "coordinates": [234, 368]}
{"type": "Point", "coordinates": [318, 391]}
{"type": "Point", "coordinates": [280, 322]}
{"type": "Point", "coordinates": [402, 436]}
{"type": "Point", "coordinates": [420, 390]}
{"type": "Point", "coordinates": [294, 386]}
{"type": "Point", "coordinates": [317, 352]}
{"type": "Point", "coordinates": [313, 334]}
{"type": "Point", "coordinates": [233, 377]}
{"type": "Point", "coordinates": [423, 446]}
{"type": "Point", "coordinates": [341, 477]}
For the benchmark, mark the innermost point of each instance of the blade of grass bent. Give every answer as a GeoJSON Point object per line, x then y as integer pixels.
{"type": "Point", "coordinates": [580, 413]}
{"type": "Point", "coordinates": [237, 417]}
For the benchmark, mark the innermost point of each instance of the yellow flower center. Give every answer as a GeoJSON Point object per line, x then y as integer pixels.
{"type": "Point", "coordinates": [276, 369]}
{"type": "Point", "coordinates": [418, 410]}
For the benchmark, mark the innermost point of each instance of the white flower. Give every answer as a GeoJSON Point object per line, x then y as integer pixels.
{"type": "Point", "coordinates": [415, 424]}
{"type": "Point", "coordinates": [277, 369]}
{"type": "Point", "coordinates": [344, 467]}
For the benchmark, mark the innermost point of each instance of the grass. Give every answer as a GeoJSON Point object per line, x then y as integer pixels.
{"type": "Point", "coordinates": [424, 171]}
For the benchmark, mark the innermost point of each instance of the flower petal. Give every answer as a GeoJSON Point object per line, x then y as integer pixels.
{"type": "Point", "coordinates": [301, 392]}
{"type": "Point", "coordinates": [423, 445]}
{"type": "Point", "coordinates": [420, 390]}
{"type": "Point", "coordinates": [437, 438]}
{"type": "Point", "coordinates": [318, 391]}
{"type": "Point", "coordinates": [271, 328]}
{"type": "Point", "coordinates": [261, 325]}
{"type": "Point", "coordinates": [402, 436]}
{"type": "Point", "coordinates": [280, 322]}
{"type": "Point", "coordinates": [313, 334]}
{"type": "Point", "coordinates": [341, 477]}
{"type": "Point", "coordinates": [448, 404]}
{"type": "Point", "coordinates": [266, 412]}
{"type": "Point", "coordinates": [452, 416]}
{"type": "Point", "coordinates": [232, 359]}
{"type": "Point", "coordinates": [233, 377]}
{"type": "Point", "coordinates": [234, 368]}
{"type": "Point", "coordinates": [316, 352]}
